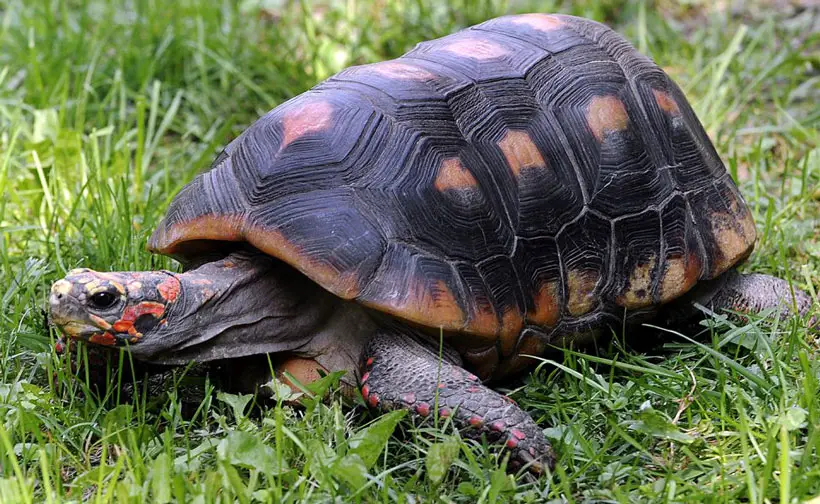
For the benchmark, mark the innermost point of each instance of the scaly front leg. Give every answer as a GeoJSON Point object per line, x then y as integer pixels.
{"type": "Point", "coordinates": [399, 371]}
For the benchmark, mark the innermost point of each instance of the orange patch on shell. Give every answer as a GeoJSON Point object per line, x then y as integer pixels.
{"type": "Point", "coordinates": [168, 240]}
{"type": "Point", "coordinates": [453, 175]}
{"type": "Point", "coordinates": [734, 238]}
{"type": "Point", "coordinates": [400, 70]}
{"type": "Point", "coordinates": [475, 48]}
{"type": "Point", "coordinates": [546, 307]}
{"type": "Point", "coordinates": [311, 117]}
{"type": "Point", "coordinates": [606, 114]}
{"type": "Point", "coordinates": [638, 292]}
{"type": "Point", "coordinates": [104, 339]}
{"type": "Point", "coordinates": [169, 289]}
{"type": "Point", "coordinates": [484, 320]}
{"type": "Point", "coordinates": [511, 324]}
{"type": "Point", "coordinates": [342, 283]}
{"type": "Point", "coordinates": [520, 151]}
{"type": "Point", "coordinates": [679, 276]}
{"type": "Point", "coordinates": [666, 102]}
{"type": "Point", "coordinates": [542, 22]}
{"type": "Point", "coordinates": [581, 289]}
{"type": "Point", "coordinates": [436, 306]}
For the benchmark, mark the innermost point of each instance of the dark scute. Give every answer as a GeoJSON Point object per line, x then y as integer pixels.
{"type": "Point", "coordinates": [500, 276]}
{"type": "Point", "coordinates": [328, 228]}
{"type": "Point", "coordinates": [554, 41]}
{"type": "Point", "coordinates": [537, 264]}
{"type": "Point", "coordinates": [637, 245]}
{"type": "Point", "coordinates": [585, 245]}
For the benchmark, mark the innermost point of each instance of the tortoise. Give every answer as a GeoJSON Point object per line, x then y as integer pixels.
{"type": "Point", "coordinates": [430, 223]}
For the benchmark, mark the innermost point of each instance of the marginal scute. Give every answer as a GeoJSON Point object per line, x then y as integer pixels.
{"type": "Point", "coordinates": [424, 304]}
{"type": "Point", "coordinates": [397, 70]}
{"type": "Point", "coordinates": [342, 283]}
{"type": "Point", "coordinates": [484, 320]}
{"type": "Point", "coordinates": [511, 324]}
{"type": "Point", "coordinates": [638, 292]}
{"type": "Point", "coordinates": [666, 102]}
{"type": "Point", "coordinates": [546, 306]}
{"type": "Point", "coordinates": [453, 175]}
{"type": "Point", "coordinates": [520, 151]}
{"type": "Point", "coordinates": [679, 276]}
{"type": "Point", "coordinates": [581, 289]}
{"type": "Point", "coordinates": [234, 228]}
{"type": "Point", "coordinates": [606, 114]}
{"type": "Point", "coordinates": [735, 240]}
{"type": "Point", "coordinates": [542, 22]}
{"type": "Point", "coordinates": [312, 117]}
{"type": "Point", "coordinates": [476, 48]}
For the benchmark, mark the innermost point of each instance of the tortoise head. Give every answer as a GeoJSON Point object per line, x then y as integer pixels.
{"type": "Point", "coordinates": [112, 309]}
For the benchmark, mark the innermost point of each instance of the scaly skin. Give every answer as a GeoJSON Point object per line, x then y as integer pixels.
{"type": "Point", "coordinates": [401, 372]}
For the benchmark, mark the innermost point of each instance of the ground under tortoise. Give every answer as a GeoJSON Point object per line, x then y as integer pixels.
{"type": "Point", "coordinates": [530, 181]}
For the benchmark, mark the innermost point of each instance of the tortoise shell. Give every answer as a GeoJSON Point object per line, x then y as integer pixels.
{"type": "Point", "coordinates": [533, 172]}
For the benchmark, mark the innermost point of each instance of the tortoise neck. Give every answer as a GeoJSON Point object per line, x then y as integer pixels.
{"type": "Point", "coordinates": [246, 304]}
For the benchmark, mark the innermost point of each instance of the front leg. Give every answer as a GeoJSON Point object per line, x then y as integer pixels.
{"type": "Point", "coordinates": [401, 372]}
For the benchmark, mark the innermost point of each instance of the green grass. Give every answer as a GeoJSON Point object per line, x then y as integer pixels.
{"type": "Point", "coordinates": [108, 108]}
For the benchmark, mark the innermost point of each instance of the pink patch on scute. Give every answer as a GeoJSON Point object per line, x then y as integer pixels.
{"type": "Point", "coordinates": [423, 409]}
{"type": "Point", "coordinates": [409, 398]}
{"type": "Point", "coordinates": [309, 118]}
{"type": "Point", "coordinates": [476, 49]}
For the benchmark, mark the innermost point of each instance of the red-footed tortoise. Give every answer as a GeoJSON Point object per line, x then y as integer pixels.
{"type": "Point", "coordinates": [530, 181]}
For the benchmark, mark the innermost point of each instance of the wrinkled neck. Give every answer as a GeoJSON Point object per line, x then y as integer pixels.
{"type": "Point", "coordinates": [247, 304]}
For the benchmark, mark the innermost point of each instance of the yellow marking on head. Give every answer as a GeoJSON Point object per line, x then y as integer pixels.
{"type": "Point", "coordinates": [118, 286]}
{"type": "Point", "coordinates": [101, 322]}
{"type": "Point", "coordinates": [581, 289]}
{"type": "Point", "coordinates": [638, 292]}
{"type": "Point", "coordinates": [135, 285]}
{"type": "Point", "coordinates": [606, 114]}
{"type": "Point", "coordinates": [61, 287]}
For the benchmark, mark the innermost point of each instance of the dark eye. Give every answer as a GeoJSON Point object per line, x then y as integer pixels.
{"type": "Point", "coordinates": [103, 300]}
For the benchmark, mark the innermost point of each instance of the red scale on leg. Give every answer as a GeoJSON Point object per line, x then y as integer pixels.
{"type": "Point", "coordinates": [409, 398]}
{"type": "Point", "coordinates": [444, 412]}
{"type": "Point", "coordinates": [373, 400]}
{"type": "Point", "coordinates": [476, 421]}
{"type": "Point", "coordinates": [423, 409]}
{"type": "Point", "coordinates": [365, 392]}
{"type": "Point", "coordinates": [369, 362]}
{"type": "Point", "coordinates": [518, 434]}
{"type": "Point", "coordinates": [497, 426]}
{"type": "Point", "coordinates": [365, 377]}
{"type": "Point", "coordinates": [512, 442]}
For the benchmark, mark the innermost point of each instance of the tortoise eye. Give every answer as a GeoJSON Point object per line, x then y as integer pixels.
{"type": "Point", "coordinates": [103, 300]}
